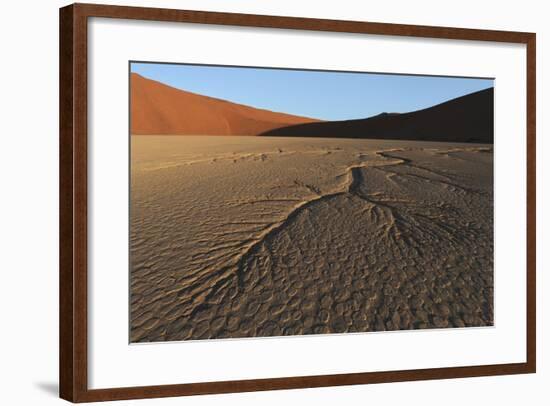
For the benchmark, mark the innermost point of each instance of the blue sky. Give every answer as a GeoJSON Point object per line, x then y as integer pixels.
{"type": "Point", "coordinates": [320, 94]}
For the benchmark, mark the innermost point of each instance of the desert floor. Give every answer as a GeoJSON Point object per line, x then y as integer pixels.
{"type": "Point", "coordinates": [257, 236]}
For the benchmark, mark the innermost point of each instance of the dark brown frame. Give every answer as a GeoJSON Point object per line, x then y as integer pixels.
{"type": "Point", "coordinates": [73, 362]}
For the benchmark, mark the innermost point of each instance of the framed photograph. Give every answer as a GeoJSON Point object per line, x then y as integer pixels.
{"type": "Point", "coordinates": [255, 202]}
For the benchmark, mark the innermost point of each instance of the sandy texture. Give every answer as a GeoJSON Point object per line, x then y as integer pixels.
{"type": "Point", "coordinates": [248, 237]}
{"type": "Point", "coordinates": [160, 109]}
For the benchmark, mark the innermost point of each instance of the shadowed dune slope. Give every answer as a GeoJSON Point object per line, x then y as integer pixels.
{"type": "Point", "coordinates": [163, 110]}
{"type": "Point", "coordinates": [465, 119]}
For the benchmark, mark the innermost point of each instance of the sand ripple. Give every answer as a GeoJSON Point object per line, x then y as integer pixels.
{"type": "Point", "coordinates": [318, 236]}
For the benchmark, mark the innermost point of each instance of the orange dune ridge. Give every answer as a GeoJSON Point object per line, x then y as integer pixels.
{"type": "Point", "coordinates": [159, 109]}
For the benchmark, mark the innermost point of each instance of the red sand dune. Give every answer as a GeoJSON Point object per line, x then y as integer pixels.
{"type": "Point", "coordinates": [160, 109]}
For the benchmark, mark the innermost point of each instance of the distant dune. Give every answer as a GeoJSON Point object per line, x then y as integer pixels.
{"type": "Point", "coordinates": [163, 110]}
{"type": "Point", "coordinates": [465, 119]}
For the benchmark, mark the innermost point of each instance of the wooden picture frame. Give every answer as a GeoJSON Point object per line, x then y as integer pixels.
{"type": "Point", "coordinates": [74, 201]}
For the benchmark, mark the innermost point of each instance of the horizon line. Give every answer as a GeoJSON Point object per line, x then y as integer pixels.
{"type": "Point", "coordinates": [298, 114]}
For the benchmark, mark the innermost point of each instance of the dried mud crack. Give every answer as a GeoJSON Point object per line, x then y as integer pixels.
{"type": "Point", "coordinates": [367, 238]}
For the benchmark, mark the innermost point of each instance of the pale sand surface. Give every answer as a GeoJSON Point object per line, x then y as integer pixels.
{"type": "Point", "coordinates": [251, 236]}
